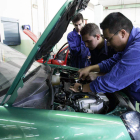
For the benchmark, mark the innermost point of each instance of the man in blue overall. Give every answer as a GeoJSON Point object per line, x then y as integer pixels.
{"type": "Point", "coordinates": [123, 69]}
{"type": "Point", "coordinates": [97, 45]}
{"type": "Point", "coordinates": [78, 51]}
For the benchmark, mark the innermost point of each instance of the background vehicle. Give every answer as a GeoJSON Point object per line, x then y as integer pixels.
{"type": "Point", "coordinates": [62, 57]}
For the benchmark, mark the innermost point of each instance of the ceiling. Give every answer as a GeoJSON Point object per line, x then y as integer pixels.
{"type": "Point", "coordinates": [113, 2]}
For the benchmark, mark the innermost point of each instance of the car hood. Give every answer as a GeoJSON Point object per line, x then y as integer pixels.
{"type": "Point", "coordinates": [52, 34]}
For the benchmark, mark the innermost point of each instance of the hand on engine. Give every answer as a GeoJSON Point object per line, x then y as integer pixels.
{"type": "Point", "coordinates": [84, 72]}
{"type": "Point", "coordinates": [86, 87]}
{"type": "Point", "coordinates": [75, 87]}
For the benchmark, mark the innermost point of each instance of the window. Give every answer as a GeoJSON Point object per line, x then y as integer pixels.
{"type": "Point", "coordinates": [11, 31]}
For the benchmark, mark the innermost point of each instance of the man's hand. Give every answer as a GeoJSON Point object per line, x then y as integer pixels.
{"type": "Point", "coordinates": [86, 87]}
{"type": "Point", "coordinates": [75, 87]}
{"type": "Point", "coordinates": [83, 73]}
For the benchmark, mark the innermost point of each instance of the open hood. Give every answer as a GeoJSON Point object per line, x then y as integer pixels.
{"type": "Point", "coordinates": [52, 34]}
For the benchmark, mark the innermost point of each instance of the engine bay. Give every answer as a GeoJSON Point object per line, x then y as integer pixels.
{"type": "Point", "coordinates": [87, 102]}
{"type": "Point", "coordinates": [49, 88]}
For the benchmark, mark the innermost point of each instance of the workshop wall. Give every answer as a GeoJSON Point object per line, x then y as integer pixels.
{"type": "Point", "coordinates": [37, 14]}
{"type": "Point", "coordinates": [131, 13]}
{"type": "Point", "coordinates": [28, 12]}
{"type": "Point", "coordinates": [18, 10]}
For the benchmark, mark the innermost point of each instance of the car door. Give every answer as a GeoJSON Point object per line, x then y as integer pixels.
{"type": "Point", "coordinates": [62, 56]}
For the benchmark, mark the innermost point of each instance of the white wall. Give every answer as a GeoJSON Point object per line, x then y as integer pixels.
{"type": "Point", "coordinates": [27, 15]}
{"type": "Point", "coordinates": [40, 15]}
{"type": "Point", "coordinates": [16, 9]}
{"type": "Point", "coordinates": [37, 14]}
{"type": "Point", "coordinates": [131, 13]}
{"type": "Point", "coordinates": [51, 8]}
{"type": "Point", "coordinates": [25, 12]}
{"type": "Point", "coordinates": [98, 12]}
{"type": "Point", "coordinates": [88, 14]}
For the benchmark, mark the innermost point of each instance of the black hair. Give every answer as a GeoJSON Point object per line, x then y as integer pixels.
{"type": "Point", "coordinates": [77, 17]}
{"type": "Point", "coordinates": [91, 29]}
{"type": "Point", "coordinates": [116, 21]}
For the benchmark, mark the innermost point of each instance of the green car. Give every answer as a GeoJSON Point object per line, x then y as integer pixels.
{"type": "Point", "coordinates": [37, 104]}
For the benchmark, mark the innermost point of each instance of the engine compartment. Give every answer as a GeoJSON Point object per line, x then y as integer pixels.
{"type": "Point", "coordinates": [86, 102]}
{"type": "Point", "coordinates": [39, 92]}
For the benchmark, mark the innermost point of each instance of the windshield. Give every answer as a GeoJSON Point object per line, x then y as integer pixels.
{"type": "Point", "coordinates": [10, 64]}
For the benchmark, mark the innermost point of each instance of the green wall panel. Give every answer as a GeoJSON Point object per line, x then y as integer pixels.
{"type": "Point", "coordinates": [25, 47]}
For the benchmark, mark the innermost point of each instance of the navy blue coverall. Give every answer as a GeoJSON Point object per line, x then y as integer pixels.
{"type": "Point", "coordinates": [79, 52]}
{"type": "Point", "coordinates": [123, 69]}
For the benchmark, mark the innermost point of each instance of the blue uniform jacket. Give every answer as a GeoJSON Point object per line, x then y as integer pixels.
{"type": "Point", "coordinates": [123, 69]}
{"type": "Point", "coordinates": [79, 52]}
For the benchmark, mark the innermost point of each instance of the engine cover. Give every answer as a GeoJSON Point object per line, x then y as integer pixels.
{"type": "Point", "coordinates": [91, 105]}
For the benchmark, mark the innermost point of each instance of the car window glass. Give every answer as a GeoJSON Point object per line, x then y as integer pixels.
{"type": "Point", "coordinates": [10, 64]}
{"type": "Point", "coordinates": [62, 54]}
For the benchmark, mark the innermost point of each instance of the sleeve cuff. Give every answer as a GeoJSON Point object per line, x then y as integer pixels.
{"type": "Point", "coordinates": [101, 67]}
{"type": "Point", "coordinates": [92, 88]}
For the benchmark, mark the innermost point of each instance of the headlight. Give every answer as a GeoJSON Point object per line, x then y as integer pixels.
{"type": "Point", "coordinates": [132, 122]}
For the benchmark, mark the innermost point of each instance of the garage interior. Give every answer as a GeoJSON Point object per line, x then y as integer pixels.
{"type": "Point", "coordinates": [38, 100]}
{"type": "Point", "coordinates": [37, 14]}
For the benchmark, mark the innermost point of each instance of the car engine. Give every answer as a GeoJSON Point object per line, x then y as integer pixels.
{"type": "Point", "coordinates": [65, 99]}
{"type": "Point", "coordinates": [49, 88]}
{"type": "Point", "coordinates": [87, 102]}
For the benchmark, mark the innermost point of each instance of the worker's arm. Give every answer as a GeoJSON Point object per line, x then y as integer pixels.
{"type": "Point", "coordinates": [103, 67]}
{"type": "Point", "coordinates": [72, 45]}
{"type": "Point", "coordinates": [124, 73]}
{"type": "Point", "coordinates": [85, 88]}
{"type": "Point", "coordinates": [83, 73]}
{"type": "Point", "coordinates": [94, 75]}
